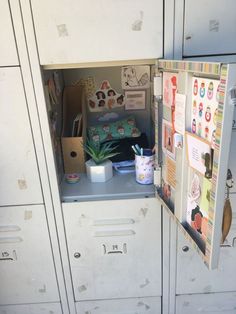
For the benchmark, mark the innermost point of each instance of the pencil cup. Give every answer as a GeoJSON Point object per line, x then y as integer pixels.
{"type": "Point", "coordinates": [144, 167]}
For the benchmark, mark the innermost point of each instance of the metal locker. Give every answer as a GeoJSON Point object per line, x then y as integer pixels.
{"type": "Point", "coordinates": [47, 308]}
{"type": "Point", "coordinates": [27, 273]}
{"type": "Point", "coordinates": [8, 53]}
{"type": "Point", "coordinates": [209, 27]}
{"type": "Point", "coordinates": [192, 276]}
{"type": "Point", "coordinates": [220, 303]}
{"type": "Point", "coordinates": [19, 182]}
{"type": "Point", "coordinates": [64, 35]}
{"type": "Point", "coordinates": [125, 306]}
{"type": "Point", "coordinates": [114, 248]}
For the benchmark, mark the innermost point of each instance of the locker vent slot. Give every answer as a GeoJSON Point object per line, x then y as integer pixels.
{"type": "Point", "coordinates": [113, 233]}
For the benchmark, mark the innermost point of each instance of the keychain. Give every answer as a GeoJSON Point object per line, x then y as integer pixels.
{"type": "Point", "coordinates": [227, 214]}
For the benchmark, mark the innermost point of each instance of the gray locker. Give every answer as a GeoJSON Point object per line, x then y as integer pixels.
{"type": "Point", "coordinates": [19, 182]}
{"type": "Point", "coordinates": [27, 273]}
{"type": "Point", "coordinates": [86, 31]}
{"type": "Point", "coordinates": [8, 53]}
{"type": "Point", "coordinates": [49, 308]}
{"type": "Point", "coordinates": [209, 27]}
{"type": "Point", "coordinates": [192, 276]}
{"type": "Point", "coordinates": [114, 248]}
{"type": "Point", "coordinates": [125, 306]}
{"type": "Point", "coordinates": [220, 303]}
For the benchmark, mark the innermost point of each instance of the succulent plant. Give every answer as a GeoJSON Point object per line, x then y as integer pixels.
{"type": "Point", "coordinates": [100, 152]}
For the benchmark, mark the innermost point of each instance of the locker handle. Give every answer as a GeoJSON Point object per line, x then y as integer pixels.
{"type": "Point", "coordinates": [185, 248]}
{"type": "Point", "coordinates": [6, 259]}
{"type": "Point", "coordinates": [115, 221]}
{"type": "Point", "coordinates": [9, 228]}
{"type": "Point", "coordinates": [113, 233]}
{"type": "Point", "coordinates": [10, 239]}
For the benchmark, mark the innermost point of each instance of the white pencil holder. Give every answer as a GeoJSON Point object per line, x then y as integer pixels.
{"type": "Point", "coordinates": [144, 167]}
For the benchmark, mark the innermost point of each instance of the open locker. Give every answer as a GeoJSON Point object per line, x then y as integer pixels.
{"type": "Point", "coordinates": [192, 129]}
{"type": "Point", "coordinates": [106, 223]}
{"type": "Point", "coordinates": [75, 115]}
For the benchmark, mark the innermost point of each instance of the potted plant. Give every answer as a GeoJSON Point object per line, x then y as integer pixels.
{"type": "Point", "coordinates": [99, 167]}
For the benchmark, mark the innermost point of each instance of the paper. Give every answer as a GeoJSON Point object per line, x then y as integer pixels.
{"type": "Point", "coordinates": [171, 172]}
{"type": "Point", "coordinates": [198, 204]}
{"type": "Point", "coordinates": [88, 84]}
{"type": "Point", "coordinates": [169, 89]}
{"type": "Point", "coordinates": [168, 146]}
{"type": "Point", "coordinates": [135, 100]}
{"type": "Point", "coordinates": [198, 150]}
{"type": "Point", "coordinates": [180, 103]}
{"type": "Point", "coordinates": [197, 219]}
{"type": "Point", "coordinates": [105, 98]}
{"type": "Point", "coordinates": [178, 140]}
{"type": "Point", "coordinates": [205, 199]}
{"type": "Point", "coordinates": [205, 97]}
{"type": "Point", "coordinates": [195, 188]}
{"type": "Point", "coordinates": [166, 191]}
{"type": "Point", "coordinates": [77, 126]}
{"type": "Point", "coordinates": [135, 77]}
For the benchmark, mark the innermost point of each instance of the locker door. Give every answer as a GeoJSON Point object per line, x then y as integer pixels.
{"type": "Point", "coordinates": [78, 31]}
{"type": "Point", "coordinates": [49, 308]}
{"type": "Point", "coordinates": [114, 248]}
{"type": "Point", "coordinates": [193, 277]}
{"type": "Point", "coordinates": [209, 27]}
{"type": "Point", "coordinates": [8, 53]}
{"type": "Point", "coordinates": [121, 306]}
{"type": "Point", "coordinates": [194, 175]}
{"type": "Point", "coordinates": [215, 303]}
{"type": "Point", "coordinates": [19, 181]}
{"type": "Point", "coordinates": [27, 273]}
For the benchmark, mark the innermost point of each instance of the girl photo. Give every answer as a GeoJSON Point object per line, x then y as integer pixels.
{"type": "Point", "coordinates": [168, 139]}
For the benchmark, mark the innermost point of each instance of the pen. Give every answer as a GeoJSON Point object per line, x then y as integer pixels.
{"type": "Point", "coordinates": [138, 149]}
{"type": "Point", "coordinates": [135, 150]}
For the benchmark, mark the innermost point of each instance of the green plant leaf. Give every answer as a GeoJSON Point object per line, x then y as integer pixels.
{"type": "Point", "coordinates": [100, 152]}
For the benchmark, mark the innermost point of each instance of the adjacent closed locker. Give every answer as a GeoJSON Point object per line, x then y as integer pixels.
{"type": "Point", "coordinates": [19, 180]}
{"type": "Point", "coordinates": [114, 248]}
{"type": "Point", "coordinates": [209, 28]}
{"type": "Point", "coordinates": [27, 273]}
{"type": "Point", "coordinates": [8, 53]}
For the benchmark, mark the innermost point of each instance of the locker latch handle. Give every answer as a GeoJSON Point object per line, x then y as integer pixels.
{"type": "Point", "coordinates": [185, 248]}
{"type": "Point", "coordinates": [229, 180]}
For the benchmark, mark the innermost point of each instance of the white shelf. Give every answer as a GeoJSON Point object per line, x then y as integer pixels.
{"type": "Point", "coordinates": [121, 186]}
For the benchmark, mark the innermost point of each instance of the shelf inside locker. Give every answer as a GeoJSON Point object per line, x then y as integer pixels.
{"type": "Point", "coordinates": [121, 186]}
{"type": "Point", "coordinates": [69, 91]}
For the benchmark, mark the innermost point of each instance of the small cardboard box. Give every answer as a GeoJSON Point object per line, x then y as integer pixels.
{"type": "Point", "coordinates": [74, 103]}
{"type": "Point", "coordinates": [73, 154]}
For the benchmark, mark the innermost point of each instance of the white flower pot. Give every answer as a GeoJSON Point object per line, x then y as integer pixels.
{"type": "Point", "coordinates": [99, 173]}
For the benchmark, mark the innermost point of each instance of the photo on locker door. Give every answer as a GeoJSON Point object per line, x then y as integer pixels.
{"type": "Point", "coordinates": [170, 86]}
{"type": "Point", "coordinates": [198, 203]}
{"type": "Point", "coordinates": [168, 146]}
{"type": "Point", "coordinates": [205, 96]}
{"type": "Point", "coordinates": [167, 193]}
